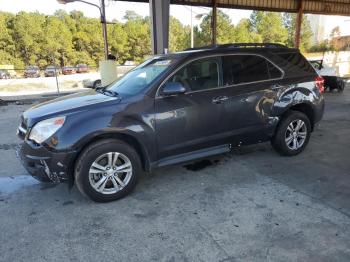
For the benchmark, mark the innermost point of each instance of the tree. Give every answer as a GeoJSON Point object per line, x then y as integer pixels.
{"type": "Point", "coordinates": [57, 47]}
{"type": "Point", "coordinates": [224, 30]}
{"type": "Point", "coordinates": [289, 21]}
{"type": "Point", "coordinates": [179, 35]}
{"type": "Point", "coordinates": [335, 34]}
{"type": "Point", "coordinates": [269, 25]}
{"type": "Point", "coordinates": [244, 34]}
{"type": "Point", "coordinates": [118, 42]}
{"type": "Point", "coordinates": [7, 45]}
{"type": "Point", "coordinates": [131, 15]}
{"type": "Point", "coordinates": [28, 34]}
{"type": "Point", "coordinates": [139, 40]}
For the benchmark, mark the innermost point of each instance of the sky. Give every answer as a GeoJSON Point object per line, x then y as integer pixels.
{"type": "Point", "coordinates": [116, 10]}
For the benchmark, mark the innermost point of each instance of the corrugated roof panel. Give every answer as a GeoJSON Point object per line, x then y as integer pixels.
{"type": "Point", "coordinates": [329, 7]}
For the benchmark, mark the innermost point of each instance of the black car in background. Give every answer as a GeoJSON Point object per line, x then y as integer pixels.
{"type": "Point", "coordinates": [32, 71]}
{"type": "Point", "coordinates": [52, 71]}
{"type": "Point", "coordinates": [329, 74]}
{"type": "Point", "coordinates": [171, 109]}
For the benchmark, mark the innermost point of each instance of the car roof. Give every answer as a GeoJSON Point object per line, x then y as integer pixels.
{"type": "Point", "coordinates": [232, 48]}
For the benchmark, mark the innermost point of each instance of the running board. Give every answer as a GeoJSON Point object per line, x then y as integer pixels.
{"type": "Point", "coordinates": [212, 151]}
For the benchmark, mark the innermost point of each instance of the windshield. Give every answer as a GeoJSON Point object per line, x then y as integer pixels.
{"type": "Point", "coordinates": [140, 77]}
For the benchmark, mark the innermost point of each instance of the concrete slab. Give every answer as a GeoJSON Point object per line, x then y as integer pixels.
{"type": "Point", "coordinates": [249, 205]}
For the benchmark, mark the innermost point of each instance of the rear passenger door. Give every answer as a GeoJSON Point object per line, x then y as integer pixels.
{"type": "Point", "coordinates": [249, 86]}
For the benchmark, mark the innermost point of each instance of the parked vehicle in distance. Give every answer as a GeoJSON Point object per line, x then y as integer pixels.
{"type": "Point", "coordinates": [88, 83]}
{"type": "Point", "coordinates": [4, 74]}
{"type": "Point", "coordinates": [31, 71]}
{"type": "Point", "coordinates": [52, 71]}
{"type": "Point", "coordinates": [129, 63]}
{"type": "Point", "coordinates": [82, 68]}
{"type": "Point", "coordinates": [329, 74]}
{"type": "Point", "coordinates": [68, 70]}
{"type": "Point", "coordinates": [171, 109]}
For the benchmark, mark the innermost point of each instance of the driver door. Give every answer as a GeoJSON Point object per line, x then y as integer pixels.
{"type": "Point", "coordinates": [190, 121]}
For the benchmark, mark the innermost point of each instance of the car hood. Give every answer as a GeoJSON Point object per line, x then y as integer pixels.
{"type": "Point", "coordinates": [66, 105]}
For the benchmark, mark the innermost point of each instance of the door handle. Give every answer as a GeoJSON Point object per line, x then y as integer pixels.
{"type": "Point", "coordinates": [219, 99]}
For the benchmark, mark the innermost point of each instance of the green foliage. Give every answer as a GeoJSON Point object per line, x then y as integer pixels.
{"type": "Point", "coordinates": [139, 38]}
{"type": "Point", "coordinates": [71, 38]}
{"type": "Point", "coordinates": [244, 33]}
{"type": "Point", "coordinates": [179, 35]}
{"type": "Point", "coordinates": [269, 26]}
{"type": "Point", "coordinates": [225, 32]}
{"type": "Point", "coordinates": [289, 21]}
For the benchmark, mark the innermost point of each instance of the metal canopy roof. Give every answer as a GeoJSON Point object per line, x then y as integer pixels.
{"type": "Point", "coordinates": [327, 7]}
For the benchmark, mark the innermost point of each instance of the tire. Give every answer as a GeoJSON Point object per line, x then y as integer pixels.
{"type": "Point", "coordinates": [284, 133]}
{"type": "Point", "coordinates": [97, 84]}
{"type": "Point", "coordinates": [88, 177]}
{"type": "Point", "coordinates": [340, 85]}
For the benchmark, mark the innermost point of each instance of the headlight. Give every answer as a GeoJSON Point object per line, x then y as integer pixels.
{"type": "Point", "coordinates": [46, 128]}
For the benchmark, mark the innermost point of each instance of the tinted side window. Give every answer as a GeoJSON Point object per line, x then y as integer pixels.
{"type": "Point", "coordinates": [296, 60]}
{"type": "Point", "coordinates": [198, 75]}
{"type": "Point", "coordinates": [240, 69]}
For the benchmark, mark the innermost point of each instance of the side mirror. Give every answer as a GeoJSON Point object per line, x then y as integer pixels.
{"type": "Point", "coordinates": [173, 88]}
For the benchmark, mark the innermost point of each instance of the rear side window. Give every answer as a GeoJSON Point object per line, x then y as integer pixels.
{"type": "Point", "coordinates": [239, 69]}
{"type": "Point", "coordinates": [295, 60]}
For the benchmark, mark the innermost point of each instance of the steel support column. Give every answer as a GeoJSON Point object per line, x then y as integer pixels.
{"type": "Point", "coordinates": [299, 22]}
{"type": "Point", "coordinates": [213, 23]}
{"type": "Point", "coordinates": [104, 28]}
{"type": "Point", "coordinates": [159, 12]}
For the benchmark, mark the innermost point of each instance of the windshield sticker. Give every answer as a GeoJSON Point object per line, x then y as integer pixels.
{"type": "Point", "coordinates": [162, 63]}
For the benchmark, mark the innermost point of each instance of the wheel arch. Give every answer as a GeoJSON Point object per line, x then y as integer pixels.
{"type": "Point", "coordinates": [304, 108]}
{"type": "Point", "coordinates": [127, 138]}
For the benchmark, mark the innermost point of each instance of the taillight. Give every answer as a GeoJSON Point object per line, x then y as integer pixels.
{"type": "Point", "coordinates": [319, 81]}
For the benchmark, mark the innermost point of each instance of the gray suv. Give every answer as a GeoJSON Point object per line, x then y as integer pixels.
{"type": "Point", "coordinates": [171, 109]}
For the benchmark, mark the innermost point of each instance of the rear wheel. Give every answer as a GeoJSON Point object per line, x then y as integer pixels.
{"type": "Point", "coordinates": [340, 85]}
{"type": "Point", "coordinates": [97, 84]}
{"type": "Point", "coordinates": [292, 134]}
{"type": "Point", "coordinates": [107, 170]}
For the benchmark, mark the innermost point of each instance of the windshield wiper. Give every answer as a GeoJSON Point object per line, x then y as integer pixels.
{"type": "Point", "coordinates": [100, 89]}
{"type": "Point", "coordinates": [113, 93]}
{"type": "Point", "coordinates": [105, 91]}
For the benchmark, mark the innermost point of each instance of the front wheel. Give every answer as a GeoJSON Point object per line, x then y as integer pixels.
{"type": "Point", "coordinates": [107, 170]}
{"type": "Point", "coordinates": [292, 134]}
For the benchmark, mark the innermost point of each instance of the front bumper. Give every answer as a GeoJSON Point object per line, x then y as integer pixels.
{"type": "Point", "coordinates": [45, 165]}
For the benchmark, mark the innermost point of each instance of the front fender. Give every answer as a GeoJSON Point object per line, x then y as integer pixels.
{"type": "Point", "coordinates": [81, 129]}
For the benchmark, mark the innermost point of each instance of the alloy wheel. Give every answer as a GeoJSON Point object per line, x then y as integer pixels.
{"type": "Point", "coordinates": [110, 173]}
{"type": "Point", "coordinates": [296, 134]}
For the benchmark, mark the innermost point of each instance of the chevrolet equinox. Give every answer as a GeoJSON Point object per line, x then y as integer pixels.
{"type": "Point", "coordinates": [173, 108]}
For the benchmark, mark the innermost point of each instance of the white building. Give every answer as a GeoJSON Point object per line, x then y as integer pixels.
{"type": "Point", "coordinates": [322, 26]}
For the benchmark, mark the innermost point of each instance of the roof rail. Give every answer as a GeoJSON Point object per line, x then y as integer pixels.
{"type": "Point", "coordinates": [241, 45]}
